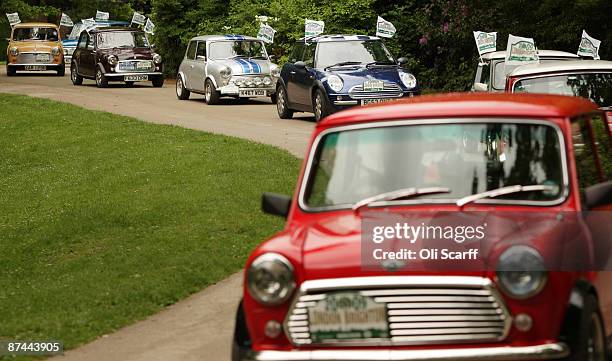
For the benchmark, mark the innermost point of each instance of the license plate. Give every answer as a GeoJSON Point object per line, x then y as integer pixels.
{"type": "Point", "coordinates": [136, 78]}
{"type": "Point", "coordinates": [374, 101]}
{"type": "Point", "coordinates": [347, 316]}
{"type": "Point", "coordinates": [143, 65]}
{"type": "Point", "coordinates": [42, 57]}
{"type": "Point", "coordinates": [252, 93]}
{"type": "Point", "coordinates": [35, 67]}
{"type": "Point", "coordinates": [373, 85]}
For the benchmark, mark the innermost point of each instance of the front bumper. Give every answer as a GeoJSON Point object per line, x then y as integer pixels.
{"type": "Point", "coordinates": [47, 66]}
{"type": "Point", "coordinates": [550, 351]}
{"type": "Point", "coordinates": [119, 76]}
{"type": "Point", "coordinates": [342, 101]}
{"type": "Point", "coordinates": [232, 90]}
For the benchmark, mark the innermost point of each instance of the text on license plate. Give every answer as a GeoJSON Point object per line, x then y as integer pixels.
{"type": "Point", "coordinates": [42, 57]}
{"type": "Point", "coordinates": [35, 67]}
{"type": "Point", "coordinates": [374, 101]}
{"type": "Point", "coordinates": [252, 93]}
{"type": "Point", "coordinates": [347, 316]}
{"type": "Point", "coordinates": [136, 78]}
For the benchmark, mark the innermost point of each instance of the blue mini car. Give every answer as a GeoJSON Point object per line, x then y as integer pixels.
{"type": "Point", "coordinates": [328, 73]}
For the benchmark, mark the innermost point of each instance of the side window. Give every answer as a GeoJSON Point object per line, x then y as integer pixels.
{"type": "Point", "coordinates": [584, 154]}
{"type": "Point", "coordinates": [201, 49]}
{"type": "Point", "coordinates": [191, 50]}
{"type": "Point", "coordinates": [83, 40]}
{"type": "Point", "coordinates": [309, 54]}
{"type": "Point", "coordinates": [297, 53]}
{"type": "Point", "coordinates": [485, 77]}
{"type": "Point", "coordinates": [90, 41]}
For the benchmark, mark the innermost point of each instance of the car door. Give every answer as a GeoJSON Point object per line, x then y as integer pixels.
{"type": "Point", "coordinates": [304, 78]}
{"type": "Point", "coordinates": [289, 72]}
{"type": "Point", "coordinates": [188, 65]}
{"type": "Point", "coordinates": [78, 55]}
{"type": "Point", "coordinates": [198, 70]}
{"type": "Point", "coordinates": [88, 58]}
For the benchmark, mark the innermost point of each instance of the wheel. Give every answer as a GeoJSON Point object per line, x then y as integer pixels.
{"type": "Point", "coordinates": [320, 107]}
{"type": "Point", "coordinates": [274, 98]}
{"type": "Point", "coordinates": [74, 75]}
{"type": "Point", "coordinates": [282, 105]}
{"type": "Point", "coordinates": [62, 70]}
{"type": "Point", "coordinates": [158, 81]}
{"type": "Point", "coordinates": [101, 80]}
{"type": "Point", "coordinates": [10, 71]}
{"type": "Point", "coordinates": [211, 94]}
{"type": "Point", "coordinates": [129, 83]}
{"type": "Point", "coordinates": [588, 340]}
{"type": "Point", "coordinates": [181, 92]}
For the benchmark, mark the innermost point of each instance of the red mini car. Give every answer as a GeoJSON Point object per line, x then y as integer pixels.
{"type": "Point", "coordinates": [312, 293]}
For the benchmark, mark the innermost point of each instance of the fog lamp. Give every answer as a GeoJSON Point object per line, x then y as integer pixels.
{"type": "Point", "coordinates": [523, 322]}
{"type": "Point", "coordinates": [267, 81]}
{"type": "Point", "coordinates": [272, 329]}
{"type": "Point", "coordinates": [257, 81]}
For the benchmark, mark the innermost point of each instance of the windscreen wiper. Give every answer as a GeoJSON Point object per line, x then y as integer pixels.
{"type": "Point", "coordinates": [503, 191]}
{"type": "Point", "coordinates": [397, 195]}
{"type": "Point", "coordinates": [343, 63]}
{"type": "Point", "coordinates": [388, 63]}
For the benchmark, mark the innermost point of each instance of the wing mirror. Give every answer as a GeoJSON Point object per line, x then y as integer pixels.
{"type": "Point", "coordinates": [599, 195]}
{"type": "Point", "coordinates": [402, 61]}
{"type": "Point", "coordinates": [201, 58]}
{"type": "Point", "coordinates": [300, 65]}
{"type": "Point", "coordinates": [480, 87]}
{"type": "Point", "coordinates": [275, 204]}
{"type": "Point", "coordinates": [271, 57]}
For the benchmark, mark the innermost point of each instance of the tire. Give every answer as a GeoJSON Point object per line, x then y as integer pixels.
{"type": "Point", "coordinates": [74, 75]}
{"type": "Point", "coordinates": [588, 340]}
{"type": "Point", "coordinates": [320, 106]}
{"type": "Point", "coordinates": [101, 80]}
{"type": "Point", "coordinates": [282, 105]}
{"type": "Point", "coordinates": [129, 84]}
{"type": "Point", "coordinates": [274, 98]}
{"type": "Point", "coordinates": [210, 92]}
{"type": "Point", "coordinates": [158, 81]}
{"type": "Point", "coordinates": [10, 71]}
{"type": "Point", "coordinates": [181, 92]}
{"type": "Point", "coordinates": [62, 70]}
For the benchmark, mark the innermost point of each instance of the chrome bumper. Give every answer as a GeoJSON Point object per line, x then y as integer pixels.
{"type": "Point", "coordinates": [550, 351]}
{"type": "Point", "coordinates": [121, 75]}
{"type": "Point", "coordinates": [235, 91]}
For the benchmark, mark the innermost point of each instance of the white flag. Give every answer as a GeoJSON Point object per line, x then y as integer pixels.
{"type": "Point", "coordinates": [485, 42]}
{"type": "Point", "coordinates": [89, 23]}
{"type": "Point", "coordinates": [66, 21]}
{"type": "Point", "coordinates": [384, 28]}
{"type": "Point", "coordinates": [138, 19]}
{"type": "Point", "coordinates": [149, 26]}
{"type": "Point", "coordinates": [589, 46]}
{"type": "Point", "coordinates": [313, 27]}
{"type": "Point", "coordinates": [266, 33]}
{"type": "Point", "coordinates": [101, 15]}
{"type": "Point", "coordinates": [521, 51]}
{"type": "Point", "coordinates": [13, 19]}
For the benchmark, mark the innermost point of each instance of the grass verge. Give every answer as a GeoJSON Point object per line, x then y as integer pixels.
{"type": "Point", "coordinates": [106, 219]}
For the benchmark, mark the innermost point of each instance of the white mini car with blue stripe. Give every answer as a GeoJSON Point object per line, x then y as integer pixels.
{"type": "Point", "coordinates": [226, 65]}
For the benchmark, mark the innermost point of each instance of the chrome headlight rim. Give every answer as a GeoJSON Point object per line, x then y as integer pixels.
{"type": "Point", "coordinates": [271, 262]}
{"type": "Point", "coordinates": [225, 72]}
{"type": "Point", "coordinates": [112, 60]}
{"type": "Point", "coordinates": [408, 79]}
{"type": "Point", "coordinates": [517, 259]}
{"type": "Point", "coordinates": [157, 59]}
{"type": "Point", "coordinates": [335, 83]}
{"type": "Point", "coordinates": [55, 51]}
{"type": "Point", "coordinates": [14, 51]}
{"type": "Point", "coordinates": [275, 72]}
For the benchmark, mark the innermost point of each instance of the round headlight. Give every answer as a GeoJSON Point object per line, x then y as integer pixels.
{"type": "Point", "coordinates": [112, 60]}
{"type": "Point", "coordinates": [275, 72]}
{"type": "Point", "coordinates": [225, 72]}
{"type": "Point", "coordinates": [408, 79]}
{"type": "Point", "coordinates": [267, 81]}
{"type": "Point", "coordinates": [335, 83]}
{"type": "Point", "coordinates": [157, 59]}
{"type": "Point", "coordinates": [55, 51]}
{"type": "Point", "coordinates": [14, 51]}
{"type": "Point", "coordinates": [270, 279]}
{"type": "Point", "coordinates": [521, 272]}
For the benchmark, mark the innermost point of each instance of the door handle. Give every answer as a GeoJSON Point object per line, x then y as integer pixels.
{"type": "Point", "coordinates": [292, 72]}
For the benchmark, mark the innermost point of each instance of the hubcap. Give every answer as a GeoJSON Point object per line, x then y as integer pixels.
{"type": "Point", "coordinates": [74, 73]}
{"type": "Point", "coordinates": [179, 86]}
{"type": "Point", "coordinates": [208, 92]}
{"type": "Point", "coordinates": [99, 77]}
{"type": "Point", "coordinates": [318, 106]}
{"type": "Point", "coordinates": [280, 102]}
{"type": "Point", "coordinates": [596, 342]}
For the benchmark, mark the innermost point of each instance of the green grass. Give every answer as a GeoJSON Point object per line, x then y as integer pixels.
{"type": "Point", "coordinates": [105, 219]}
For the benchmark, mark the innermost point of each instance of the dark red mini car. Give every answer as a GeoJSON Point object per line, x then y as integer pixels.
{"type": "Point", "coordinates": [534, 169]}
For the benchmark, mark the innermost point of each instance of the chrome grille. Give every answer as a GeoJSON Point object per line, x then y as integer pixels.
{"type": "Point", "coordinates": [30, 58]}
{"type": "Point", "coordinates": [420, 310]}
{"type": "Point", "coordinates": [390, 90]}
{"type": "Point", "coordinates": [136, 66]}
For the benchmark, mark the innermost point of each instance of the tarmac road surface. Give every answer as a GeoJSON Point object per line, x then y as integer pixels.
{"type": "Point", "coordinates": [201, 326]}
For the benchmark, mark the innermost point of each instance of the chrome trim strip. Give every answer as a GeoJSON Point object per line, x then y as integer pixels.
{"type": "Point", "coordinates": [111, 75]}
{"type": "Point", "coordinates": [551, 351]}
{"type": "Point", "coordinates": [394, 123]}
{"type": "Point", "coordinates": [346, 102]}
{"type": "Point", "coordinates": [36, 64]}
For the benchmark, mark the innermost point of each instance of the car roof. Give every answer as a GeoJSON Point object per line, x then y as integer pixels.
{"type": "Point", "coordinates": [562, 66]}
{"type": "Point", "coordinates": [541, 53]}
{"type": "Point", "coordinates": [223, 37]}
{"type": "Point", "coordinates": [458, 105]}
{"type": "Point", "coordinates": [40, 25]}
{"type": "Point", "coordinates": [336, 37]}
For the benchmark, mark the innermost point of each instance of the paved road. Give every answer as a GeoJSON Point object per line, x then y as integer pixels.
{"type": "Point", "coordinates": [256, 120]}
{"type": "Point", "coordinates": [200, 327]}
